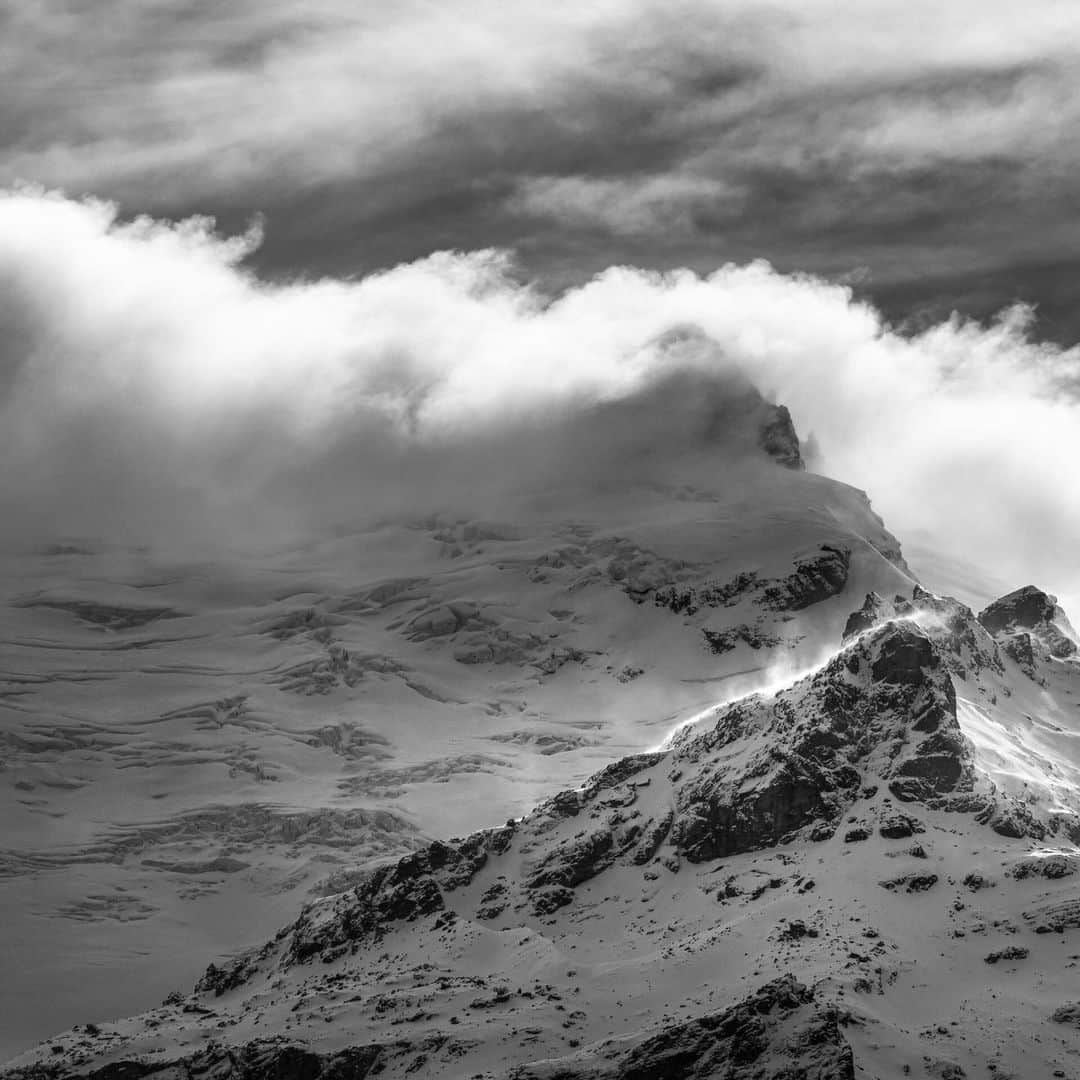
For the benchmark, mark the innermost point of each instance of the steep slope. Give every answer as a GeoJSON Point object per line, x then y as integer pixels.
{"type": "Point", "coordinates": [194, 746]}
{"type": "Point", "coordinates": [835, 879]}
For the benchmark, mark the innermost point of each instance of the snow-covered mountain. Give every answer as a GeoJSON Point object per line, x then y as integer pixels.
{"type": "Point", "coordinates": [772, 808]}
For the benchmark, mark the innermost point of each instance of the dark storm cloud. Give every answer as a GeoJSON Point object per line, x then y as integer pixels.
{"type": "Point", "coordinates": [917, 139]}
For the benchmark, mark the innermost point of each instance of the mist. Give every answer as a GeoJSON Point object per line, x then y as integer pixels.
{"type": "Point", "coordinates": [153, 388]}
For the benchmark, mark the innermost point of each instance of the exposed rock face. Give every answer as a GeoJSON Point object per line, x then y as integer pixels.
{"type": "Point", "coordinates": [689, 599]}
{"type": "Point", "coordinates": [967, 647]}
{"type": "Point", "coordinates": [1031, 609]}
{"type": "Point", "coordinates": [886, 707]}
{"type": "Point", "coordinates": [1067, 1014]}
{"type": "Point", "coordinates": [875, 610]}
{"type": "Point", "coordinates": [722, 409]}
{"type": "Point", "coordinates": [412, 887]}
{"type": "Point", "coordinates": [816, 577]}
{"type": "Point", "coordinates": [266, 1059]}
{"type": "Point", "coordinates": [1052, 867]}
{"type": "Point", "coordinates": [722, 641]}
{"type": "Point", "coordinates": [778, 1033]}
{"type": "Point", "coordinates": [778, 438]}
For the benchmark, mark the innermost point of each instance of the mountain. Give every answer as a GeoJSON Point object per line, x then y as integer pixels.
{"type": "Point", "coordinates": [860, 863]}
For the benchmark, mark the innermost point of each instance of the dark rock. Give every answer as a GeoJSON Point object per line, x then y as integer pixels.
{"type": "Point", "coordinates": [1031, 609]}
{"type": "Point", "coordinates": [550, 898]}
{"type": "Point", "coordinates": [966, 647]}
{"type": "Point", "coordinates": [221, 980]}
{"type": "Point", "coordinates": [803, 746]}
{"type": "Point", "coordinates": [796, 930]}
{"type": "Point", "coordinates": [575, 861]}
{"type": "Point", "coordinates": [269, 1059]}
{"type": "Point", "coordinates": [903, 657]}
{"type": "Point", "coordinates": [945, 1070]}
{"type": "Point", "coordinates": [816, 578]}
{"type": "Point", "coordinates": [1067, 1014]}
{"type": "Point", "coordinates": [722, 641]}
{"type": "Point", "coordinates": [690, 599]}
{"type": "Point", "coordinates": [1010, 952]}
{"type": "Point", "coordinates": [912, 883]}
{"type": "Point", "coordinates": [900, 826]}
{"type": "Point", "coordinates": [875, 610]}
{"type": "Point", "coordinates": [621, 770]}
{"type": "Point", "coordinates": [1021, 648]}
{"type": "Point", "coordinates": [1013, 819]}
{"type": "Point", "coordinates": [1054, 918]}
{"type": "Point", "coordinates": [409, 889]}
{"type": "Point", "coordinates": [778, 439]}
{"type": "Point", "coordinates": [652, 836]}
{"type": "Point", "coordinates": [1051, 867]}
{"type": "Point", "coordinates": [778, 1033]}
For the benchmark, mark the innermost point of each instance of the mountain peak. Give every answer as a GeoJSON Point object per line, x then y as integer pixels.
{"type": "Point", "coordinates": [1031, 610]}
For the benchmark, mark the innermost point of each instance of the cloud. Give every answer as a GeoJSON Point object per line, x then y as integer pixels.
{"type": "Point", "coordinates": [631, 206]}
{"type": "Point", "coordinates": [916, 137]}
{"type": "Point", "coordinates": [152, 385]}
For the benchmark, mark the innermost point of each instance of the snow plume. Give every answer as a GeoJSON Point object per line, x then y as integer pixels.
{"type": "Point", "coordinates": [149, 381]}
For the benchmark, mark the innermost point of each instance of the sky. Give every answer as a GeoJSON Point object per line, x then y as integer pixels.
{"type": "Point", "coordinates": [924, 150]}
{"type": "Point", "coordinates": [239, 242]}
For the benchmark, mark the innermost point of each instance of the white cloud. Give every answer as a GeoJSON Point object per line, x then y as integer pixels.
{"type": "Point", "coordinates": [148, 380]}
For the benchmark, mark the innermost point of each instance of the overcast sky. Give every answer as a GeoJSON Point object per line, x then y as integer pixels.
{"type": "Point", "coordinates": [924, 149]}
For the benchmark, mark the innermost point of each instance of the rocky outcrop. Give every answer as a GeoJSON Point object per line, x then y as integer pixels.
{"type": "Point", "coordinates": [816, 578]}
{"type": "Point", "coordinates": [690, 599]}
{"type": "Point", "coordinates": [406, 890]}
{"type": "Point", "coordinates": [1053, 866]}
{"type": "Point", "coordinates": [770, 766]}
{"type": "Point", "coordinates": [1067, 1014]}
{"type": "Point", "coordinates": [722, 641]}
{"type": "Point", "coordinates": [778, 1033]}
{"type": "Point", "coordinates": [778, 439]}
{"type": "Point", "coordinates": [966, 646]}
{"type": "Point", "coordinates": [1031, 613]}
{"type": "Point", "coordinates": [263, 1059]}
{"type": "Point", "coordinates": [875, 610]}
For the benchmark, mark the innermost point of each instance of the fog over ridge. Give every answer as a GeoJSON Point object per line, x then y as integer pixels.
{"type": "Point", "coordinates": [149, 378]}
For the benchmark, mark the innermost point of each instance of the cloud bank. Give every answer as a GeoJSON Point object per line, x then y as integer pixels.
{"type": "Point", "coordinates": [920, 139]}
{"type": "Point", "coordinates": [151, 383]}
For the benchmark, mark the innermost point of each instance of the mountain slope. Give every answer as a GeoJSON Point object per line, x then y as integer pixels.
{"type": "Point", "coordinates": [195, 745]}
{"type": "Point", "coordinates": [830, 880]}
